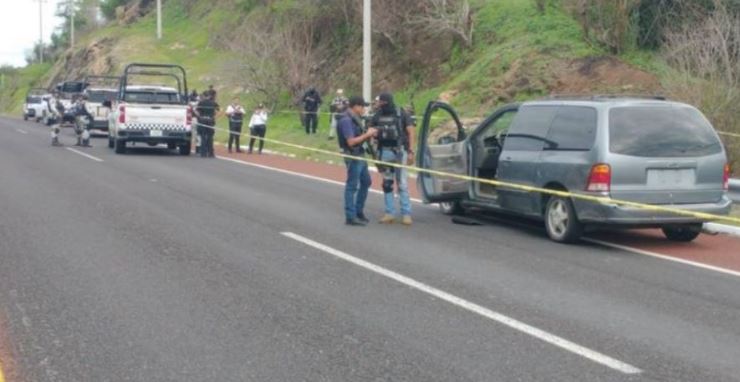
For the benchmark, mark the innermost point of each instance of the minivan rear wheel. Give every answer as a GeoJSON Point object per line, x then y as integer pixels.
{"type": "Point", "coordinates": [561, 222]}
{"type": "Point", "coordinates": [683, 233]}
{"type": "Point", "coordinates": [452, 208]}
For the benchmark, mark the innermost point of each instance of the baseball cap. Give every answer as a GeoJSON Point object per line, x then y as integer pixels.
{"type": "Point", "coordinates": [357, 101]}
{"type": "Point", "coordinates": [386, 97]}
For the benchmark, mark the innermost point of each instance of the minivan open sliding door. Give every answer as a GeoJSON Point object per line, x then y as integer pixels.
{"type": "Point", "coordinates": [442, 147]}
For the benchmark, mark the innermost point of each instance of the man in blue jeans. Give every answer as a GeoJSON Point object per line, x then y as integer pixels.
{"type": "Point", "coordinates": [351, 140]}
{"type": "Point", "coordinates": [395, 138]}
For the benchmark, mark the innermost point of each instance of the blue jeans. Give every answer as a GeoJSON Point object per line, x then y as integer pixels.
{"type": "Point", "coordinates": [401, 178]}
{"type": "Point", "coordinates": [356, 188]}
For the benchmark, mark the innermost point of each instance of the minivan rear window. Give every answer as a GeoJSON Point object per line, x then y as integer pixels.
{"type": "Point", "coordinates": [661, 131]}
{"type": "Point", "coordinates": [574, 128]}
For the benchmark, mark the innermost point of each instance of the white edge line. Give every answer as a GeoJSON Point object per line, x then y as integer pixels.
{"type": "Point", "coordinates": [475, 308]}
{"type": "Point", "coordinates": [86, 155]}
{"type": "Point", "coordinates": [664, 257]}
{"type": "Point", "coordinates": [300, 175]}
{"type": "Point", "coordinates": [593, 241]}
{"type": "Point", "coordinates": [21, 131]}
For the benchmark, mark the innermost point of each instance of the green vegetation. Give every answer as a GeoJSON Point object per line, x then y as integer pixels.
{"type": "Point", "coordinates": [518, 52]}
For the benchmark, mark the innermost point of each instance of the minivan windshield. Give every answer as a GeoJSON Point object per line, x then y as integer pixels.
{"type": "Point", "coordinates": [661, 131]}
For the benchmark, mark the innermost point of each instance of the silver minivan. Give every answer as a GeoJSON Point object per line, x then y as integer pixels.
{"type": "Point", "coordinates": [645, 150]}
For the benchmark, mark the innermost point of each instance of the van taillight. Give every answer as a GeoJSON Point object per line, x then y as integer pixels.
{"type": "Point", "coordinates": [122, 114]}
{"type": "Point", "coordinates": [726, 178]}
{"type": "Point", "coordinates": [600, 178]}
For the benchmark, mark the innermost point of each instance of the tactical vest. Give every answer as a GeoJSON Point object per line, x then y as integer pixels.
{"type": "Point", "coordinates": [390, 131]}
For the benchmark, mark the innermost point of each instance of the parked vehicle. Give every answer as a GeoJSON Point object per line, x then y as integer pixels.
{"type": "Point", "coordinates": [35, 104]}
{"type": "Point", "coordinates": [152, 114]}
{"type": "Point", "coordinates": [650, 151]}
{"type": "Point", "coordinates": [99, 89]}
{"type": "Point", "coordinates": [67, 92]}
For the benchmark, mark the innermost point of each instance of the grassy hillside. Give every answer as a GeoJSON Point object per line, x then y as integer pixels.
{"type": "Point", "coordinates": [517, 54]}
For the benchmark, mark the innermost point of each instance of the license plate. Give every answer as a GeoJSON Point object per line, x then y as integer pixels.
{"type": "Point", "coordinates": [155, 133]}
{"type": "Point", "coordinates": [677, 178]}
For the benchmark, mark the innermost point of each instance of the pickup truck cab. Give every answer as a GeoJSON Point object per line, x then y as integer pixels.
{"type": "Point", "coordinates": [68, 92]}
{"type": "Point", "coordinates": [151, 114]}
{"type": "Point", "coordinates": [644, 150]}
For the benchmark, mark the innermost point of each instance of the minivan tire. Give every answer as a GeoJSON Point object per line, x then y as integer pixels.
{"type": "Point", "coordinates": [682, 233]}
{"type": "Point", "coordinates": [452, 208]}
{"type": "Point", "coordinates": [120, 146]}
{"type": "Point", "coordinates": [561, 221]}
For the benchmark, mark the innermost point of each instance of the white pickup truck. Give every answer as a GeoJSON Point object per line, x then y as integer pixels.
{"type": "Point", "coordinates": [35, 104]}
{"type": "Point", "coordinates": [151, 114]}
{"type": "Point", "coordinates": [99, 89]}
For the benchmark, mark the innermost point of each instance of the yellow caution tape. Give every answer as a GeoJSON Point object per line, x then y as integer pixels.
{"type": "Point", "coordinates": [498, 183]}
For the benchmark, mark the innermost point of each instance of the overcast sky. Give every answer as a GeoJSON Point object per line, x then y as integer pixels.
{"type": "Point", "coordinates": [19, 28]}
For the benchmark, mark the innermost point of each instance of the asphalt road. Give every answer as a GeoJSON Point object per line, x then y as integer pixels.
{"type": "Point", "coordinates": [155, 267]}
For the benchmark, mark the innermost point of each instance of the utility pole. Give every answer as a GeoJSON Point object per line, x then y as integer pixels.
{"type": "Point", "coordinates": [41, 31]}
{"type": "Point", "coordinates": [71, 10]}
{"type": "Point", "coordinates": [367, 75]}
{"type": "Point", "coordinates": [159, 19]}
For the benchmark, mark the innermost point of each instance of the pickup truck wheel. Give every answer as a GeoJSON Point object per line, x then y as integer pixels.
{"type": "Point", "coordinates": [120, 146]}
{"type": "Point", "coordinates": [111, 143]}
{"type": "Point", "coordinates": [561, 222]}
{"type": "Point", "coordinates": [171, 146]}
{"type": "Point", "coordinates": [682, 233]}
{"type": "Point", "coordinates": [452, 208]}
{"type": "Point", "coordinates": [25, 117]}
{"type": "Point", "coordinates": [185, 149]}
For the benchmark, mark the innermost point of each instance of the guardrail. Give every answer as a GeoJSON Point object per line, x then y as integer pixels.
{"type": "Point", "coordinates": [735, 190]}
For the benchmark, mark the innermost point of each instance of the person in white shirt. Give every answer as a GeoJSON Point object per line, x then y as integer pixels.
{"type": "Point", "coordinates": [236, 117]}
{"type": "Point", "coordinates": [258, 127]}
{"type": "Point", "coordinates": [338, 107]}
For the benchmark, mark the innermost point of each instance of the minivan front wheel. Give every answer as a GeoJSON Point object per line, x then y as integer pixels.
{"type": "Point", "coordinates": [561, 222]}
{"type": "Point", "coordinates": [682, 233]}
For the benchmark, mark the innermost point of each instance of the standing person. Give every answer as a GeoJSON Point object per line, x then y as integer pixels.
{"type": "Point", "coordinates": [311, 103]}
{"type": "Point", "coordinates": [236, 117]}
{"type": "Point", "coordinates": [193, 97]}
{"type": "Point", "coordinates": [206, 113]}
{"type": "Point", "coordinates": [54, 120]}
{"type": "Point", "coordinates": [211, 92]}
{"type": "Point", "coordinates": [395, 145]}
{"type": "Point", "coordinates": [351, 140]}
{"type": "Point", "coordinates": [338, 107]}
{"type": "Point", "coordinates": [258, 127]}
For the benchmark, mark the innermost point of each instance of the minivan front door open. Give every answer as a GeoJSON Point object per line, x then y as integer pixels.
{"type": "Point", "coordinates": [442, 147]}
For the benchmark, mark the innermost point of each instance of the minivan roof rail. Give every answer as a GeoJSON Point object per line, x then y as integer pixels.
{"type": "Point", "coordinates": [596, 97]}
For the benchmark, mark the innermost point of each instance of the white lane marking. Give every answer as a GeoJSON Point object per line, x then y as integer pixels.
{"type": "Point", "coordinates": [594, 241]}
{"type": "Point", "coordinates": [86, 155]}
{"type": "Point", "coordinates": [21, 131]}
{"type": "Point", "coordinates": [475, 308]}
{"type": "Point", "coordinates": [663, 257]}
{"type": "Point", "coordinates": [288, 172]}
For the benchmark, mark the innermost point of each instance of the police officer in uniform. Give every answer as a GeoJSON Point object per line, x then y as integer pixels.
{"type": "Point", "coordinates": [82, 126]}
{"type": "Point", "coordinates": [352, 139]}
{"type": "Point", "coordinates": [395, 141]}
{"type": "Point", "coordinates": [55, 111]}
{"type": "Point", "coordinates": [206, 113]}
